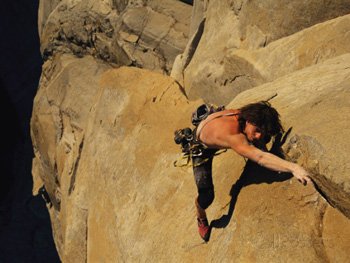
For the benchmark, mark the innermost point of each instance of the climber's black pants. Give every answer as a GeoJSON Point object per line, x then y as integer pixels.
{"type": "Point", "coordinates": [202, 170]}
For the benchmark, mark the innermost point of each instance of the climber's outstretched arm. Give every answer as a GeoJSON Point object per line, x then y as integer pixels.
{"type": "Point", "coordinates": [240, 145]}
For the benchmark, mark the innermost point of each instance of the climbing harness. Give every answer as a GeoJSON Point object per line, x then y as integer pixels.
{"type": "Point", "coordinates": [190, 146]}
{"type": "Point", "coordinates": [186, 158]}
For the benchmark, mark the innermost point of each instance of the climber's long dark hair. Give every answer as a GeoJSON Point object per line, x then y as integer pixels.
{"type": "Point", "coordinates": [264, 116]}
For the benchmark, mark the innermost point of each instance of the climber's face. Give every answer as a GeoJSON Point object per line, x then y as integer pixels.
{"type": "Point", "coordinates": [252, 132]}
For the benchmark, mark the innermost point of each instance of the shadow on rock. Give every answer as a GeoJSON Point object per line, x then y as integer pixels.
{"type": "Point", "coordinates": [254, 174]}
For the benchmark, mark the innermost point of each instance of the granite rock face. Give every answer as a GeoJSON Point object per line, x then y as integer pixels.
{"type": "Point", "coordinates": [146, 34]}
{"type": "Point", "coordinates": [217, 72]}
{"type": "Point", "coordinates": [321, 116]}
{"type": "Point", "coordinates": [103, 134]}
{"type": "Point", "coordinates": [107, 163]}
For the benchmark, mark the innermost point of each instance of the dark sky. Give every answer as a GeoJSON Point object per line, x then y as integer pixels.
{"type": "Point", "coordinates": [25, 229]}
{"type": "Point", "coordinates": [20, 65]}
{"type": "Point", "coordinates": [20, 69]}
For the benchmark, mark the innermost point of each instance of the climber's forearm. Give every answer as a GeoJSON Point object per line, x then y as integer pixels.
{"type": "Point", "coordinates": [266, 159]}
{"type": "Point", "coordinates": [275, 163]}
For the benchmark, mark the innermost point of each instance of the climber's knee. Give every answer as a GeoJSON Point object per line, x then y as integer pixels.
{"type": "Point", "coordinates": [205, 197]}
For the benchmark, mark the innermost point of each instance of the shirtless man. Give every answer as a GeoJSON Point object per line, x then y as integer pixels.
{"type": "Point", "coordinates": [237, 130]}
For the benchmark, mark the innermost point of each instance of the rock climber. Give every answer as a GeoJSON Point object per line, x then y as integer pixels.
{"type": "Point", "coordinates": [237, 129]}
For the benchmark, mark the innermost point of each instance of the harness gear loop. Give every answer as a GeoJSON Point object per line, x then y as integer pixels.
{"type": "Point", "coordinates": [188, 159]}
{"type": "Point", "coordinates": [187, 138]}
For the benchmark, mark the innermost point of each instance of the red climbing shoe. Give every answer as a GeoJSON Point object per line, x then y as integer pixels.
{"type": "Point", "coordinates": [203, 228]}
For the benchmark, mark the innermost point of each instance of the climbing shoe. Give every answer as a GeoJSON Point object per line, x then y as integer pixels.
{"type": "Point", "coordinates": [203, 228]}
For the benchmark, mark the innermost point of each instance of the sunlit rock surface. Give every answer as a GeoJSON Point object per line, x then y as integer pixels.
{"type": "Point", "coordinates": [146, 34]}
{"type": "Point", "coordinates": [103, 134]}
{"type": "Point", "coordinates": [246, 43]}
